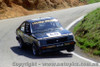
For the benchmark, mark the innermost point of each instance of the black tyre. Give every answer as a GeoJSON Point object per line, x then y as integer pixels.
{"type": "Point", "coordinates": [21, 43]}
{"type": "Point", "coordinates": [35, 51]}
{"type": "Point", "coordinates": [70, 50]}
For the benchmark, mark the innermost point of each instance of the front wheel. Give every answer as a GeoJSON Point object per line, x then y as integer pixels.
{"type": "Point", "coordinates": [21, 43]}
{"type": "Point", "coordinates": [35, 51]}
{"type": "Point", "coordinates": [70, 50]}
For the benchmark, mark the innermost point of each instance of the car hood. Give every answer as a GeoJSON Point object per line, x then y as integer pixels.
{"type": "Point", "coordinates": [53, 33]}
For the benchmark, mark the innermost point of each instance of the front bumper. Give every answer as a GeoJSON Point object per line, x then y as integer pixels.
{"type": "Point", "coordinates": [59, 47]}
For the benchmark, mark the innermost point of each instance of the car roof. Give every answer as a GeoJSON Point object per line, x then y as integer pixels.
{"type": "Point", "coordinates": [39, 19]}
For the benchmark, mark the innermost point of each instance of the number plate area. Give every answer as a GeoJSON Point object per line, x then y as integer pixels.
{"type": "Point", "coordinates": [60, 45]}
{"type": "Point", "coordinates": [66, 43]}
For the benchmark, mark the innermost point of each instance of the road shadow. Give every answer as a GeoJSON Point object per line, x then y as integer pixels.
{"type": "Point", "coordinates": [28, 53]}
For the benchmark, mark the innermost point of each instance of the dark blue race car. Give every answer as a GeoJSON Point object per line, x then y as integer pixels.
{"type": "Point", "coordinates": [44, 35]}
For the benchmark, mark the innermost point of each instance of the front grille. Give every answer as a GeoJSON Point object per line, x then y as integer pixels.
{"type": "Point", "coordinates": [57, 40]}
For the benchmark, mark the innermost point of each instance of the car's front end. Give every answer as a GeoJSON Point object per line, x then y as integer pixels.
{"type": "Point", "coordinates": [57, 43]}
{"type": "Point", "coordinates": [52, 36]}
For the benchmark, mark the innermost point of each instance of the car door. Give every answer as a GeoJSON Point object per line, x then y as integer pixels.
{"type": "Point", "coordinates": [27, 34]}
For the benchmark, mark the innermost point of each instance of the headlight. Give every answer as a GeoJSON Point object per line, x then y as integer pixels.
{"type": "Point", "coordinates": [42, 42]}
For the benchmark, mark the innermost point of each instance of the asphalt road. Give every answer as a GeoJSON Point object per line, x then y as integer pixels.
{"type": "Point", "coordinates": [10, 53]}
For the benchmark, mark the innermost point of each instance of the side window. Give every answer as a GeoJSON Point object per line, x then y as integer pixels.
{"type": "Point", "coordinates": [27, 28]}
{"type": "Point", "coordinates": [22, 27]}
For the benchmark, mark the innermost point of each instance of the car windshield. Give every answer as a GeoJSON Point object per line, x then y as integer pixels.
{"type": "Point", "coordinates": [45, 25]}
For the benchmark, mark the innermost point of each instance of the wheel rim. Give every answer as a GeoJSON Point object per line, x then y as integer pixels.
{"type": "Point", "coordinates": [20, 43]}
{"type": "Point", "coordinates": [34, 51]}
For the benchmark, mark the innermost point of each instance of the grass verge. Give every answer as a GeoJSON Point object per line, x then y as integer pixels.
{"type": "Point", "coordinates": [87, 33]}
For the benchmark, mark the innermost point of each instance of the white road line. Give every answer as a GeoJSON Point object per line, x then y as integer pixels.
{"type": "Point", "coordinates": [73, 23]}
{"type": "Point", "coordinates": [83, 58]}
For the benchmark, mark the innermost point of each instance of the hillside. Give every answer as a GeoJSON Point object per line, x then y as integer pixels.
{"type": "Point", "coordinates": [15, 8]}
{"type": "Point", "coordinates": [87, 33]}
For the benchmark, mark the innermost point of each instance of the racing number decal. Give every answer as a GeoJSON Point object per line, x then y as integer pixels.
{"type": "Point", "coordinates": [54, 34]}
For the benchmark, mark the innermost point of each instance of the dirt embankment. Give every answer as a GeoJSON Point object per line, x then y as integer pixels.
{"type": "Point", "coordinates": [15, 8]}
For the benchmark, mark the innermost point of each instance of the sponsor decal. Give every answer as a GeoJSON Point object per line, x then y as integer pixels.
{"type": "Point", "coordinates": [54, 34]}
{"type": "Point", "coordinates": [52, 20]}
